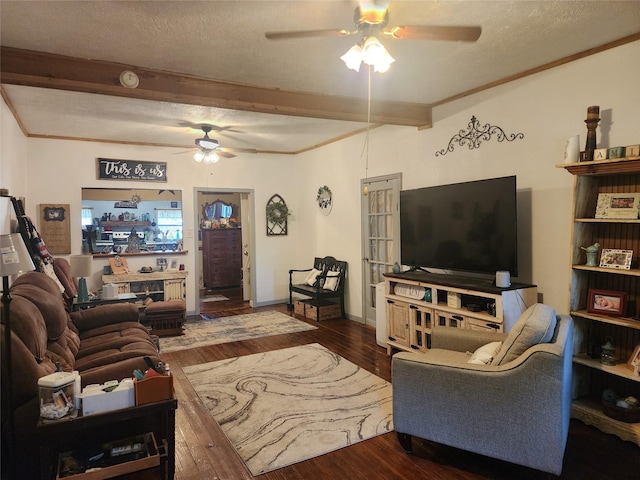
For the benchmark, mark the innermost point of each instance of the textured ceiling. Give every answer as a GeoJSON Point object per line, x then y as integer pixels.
{"type": "Point", "coordinates": [224, 40]}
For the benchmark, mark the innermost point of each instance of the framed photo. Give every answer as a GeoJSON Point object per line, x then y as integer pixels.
{"type": "Point", "coordinates": [607, 302]}
{"type": "Point", "coordinates": [618, 205]}
{"type": "Point", "coordinates": [119, 265]}
{"type": "Point", "coordinates": [173, 265]}
{"type": "Point", "coordinates": [614, 258]}
{"type": "Point", "coordinates": [634, 359]}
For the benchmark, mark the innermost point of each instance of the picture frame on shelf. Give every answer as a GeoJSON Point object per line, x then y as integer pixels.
{"type": "Point", "coordinates": [634, 360]}
{"type": "Point", "coordinates": [119, 265]}
{"type": "Point", "coordinates": [616, 258]}
{"type": "Point", "coordinates": [621, 206]}
{"type": "Point", "coordinates": [173, 265]}
{"type": "Point", "coordinates": [607, 302]}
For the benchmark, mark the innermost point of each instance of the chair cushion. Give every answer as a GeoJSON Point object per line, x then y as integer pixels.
{"type": "Point", "coordinates": [331, 282]}
{"type": "Point", "coordinates": [484, 354]}
{"type": "Point", "coordinates": [535, 325]}
{"type": "Point", "coordinates": [312, 277]}
{"type": "Point", "coordinates": [158, 308]}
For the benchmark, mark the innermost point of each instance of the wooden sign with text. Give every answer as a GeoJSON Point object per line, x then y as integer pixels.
{"type": "Point", "coordinates": [55, 228]}
{"type": "Point", "coordinates": [114, 169]}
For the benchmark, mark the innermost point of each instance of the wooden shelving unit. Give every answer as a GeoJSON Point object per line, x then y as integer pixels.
{"type": "Point", "coordinates": [591, 377]}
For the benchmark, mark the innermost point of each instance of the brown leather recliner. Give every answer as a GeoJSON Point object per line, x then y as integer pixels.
{"type": "Point", "coordinates": [103, 343]}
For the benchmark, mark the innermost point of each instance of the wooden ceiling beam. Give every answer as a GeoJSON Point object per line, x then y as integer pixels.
{"type": "Point", "coordinates": [45, 70]}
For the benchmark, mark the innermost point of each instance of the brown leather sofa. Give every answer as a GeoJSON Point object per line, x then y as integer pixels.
{"type": "Point", "coordinates": [103, 343]}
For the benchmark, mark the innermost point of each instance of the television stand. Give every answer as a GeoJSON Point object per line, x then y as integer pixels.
{"type": "Point", "coordinates": [448, 301]}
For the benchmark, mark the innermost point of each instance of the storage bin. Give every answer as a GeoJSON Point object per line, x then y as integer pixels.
{"type": "Point", "coordinates": [328, 310]}
{"type": "Point", "coordinates": [58, 395]}
{"type": "Point", "coordinates": [153, 389]}
{"type": "Point", "coordinates": [73, 465]}
{"type": "Point", "coordinates": [107, 397]}
{"type": "Point", "coordinates": [299, 307]}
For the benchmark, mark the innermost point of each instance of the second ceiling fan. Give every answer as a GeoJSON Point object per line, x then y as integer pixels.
{"type": "Point", "coordinates": [210, 151]}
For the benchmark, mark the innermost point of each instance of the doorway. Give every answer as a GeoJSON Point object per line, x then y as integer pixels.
{"type": "Point", "coordinates": [228, 214]}
{"type": "Point", "coordinates": [380, 237]}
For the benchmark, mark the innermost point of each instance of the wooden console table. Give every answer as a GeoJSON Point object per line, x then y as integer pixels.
{"type": "Point", "coordinates": [67, 434]}
{"type": "Point", "coordinates": [160, 286]}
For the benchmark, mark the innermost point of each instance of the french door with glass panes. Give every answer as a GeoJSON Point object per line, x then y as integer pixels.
{"type": "Point", "coordinates": [381, 236]}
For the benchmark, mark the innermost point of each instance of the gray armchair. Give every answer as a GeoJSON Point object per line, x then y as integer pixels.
{"type": "Point", "coordinates": [515, 408]}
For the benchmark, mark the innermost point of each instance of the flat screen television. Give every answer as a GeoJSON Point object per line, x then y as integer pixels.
{"type": "Point", "coordinates": [466, 227]}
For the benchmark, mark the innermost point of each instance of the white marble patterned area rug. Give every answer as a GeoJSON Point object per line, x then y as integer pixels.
{"type": "Point", "coordinates": [285, 406]}
{"type": "Point", "coordinates": [212, 331]}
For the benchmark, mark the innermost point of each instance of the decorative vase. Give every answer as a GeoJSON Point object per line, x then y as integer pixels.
{"type": "Point", "coordinates": [592, 259]}
{"type": "Point", "coordinates": [572, 150]}
{"type": "Point", "coordinates": [396, 268]}
{"type": "Point", "coordinates": [427, 295]}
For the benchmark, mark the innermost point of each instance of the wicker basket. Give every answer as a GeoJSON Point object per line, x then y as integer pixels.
{"type": "Point", "coordinates": [627, 415]}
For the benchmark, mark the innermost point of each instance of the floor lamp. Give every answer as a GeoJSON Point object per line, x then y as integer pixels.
{"type": "Point", "coordinates": [14, 259]}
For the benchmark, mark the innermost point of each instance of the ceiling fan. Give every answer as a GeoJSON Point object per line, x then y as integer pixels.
{"type": "Point", "coordinates": [371, 19]}
{"type": "Point", "coordinates": [210, 150]}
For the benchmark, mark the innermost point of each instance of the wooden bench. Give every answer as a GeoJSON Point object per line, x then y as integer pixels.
{"type": "Point", "coordinates": [332, 274]}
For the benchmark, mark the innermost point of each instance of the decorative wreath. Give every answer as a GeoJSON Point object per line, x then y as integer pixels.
{"type": "Point", "coordinates": [322, 191]}
{"type": "Point", "coordinates": [277, 212]}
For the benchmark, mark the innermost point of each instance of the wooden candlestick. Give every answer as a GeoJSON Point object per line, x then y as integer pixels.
{"type": "Point", "coordinates": [593, 117]}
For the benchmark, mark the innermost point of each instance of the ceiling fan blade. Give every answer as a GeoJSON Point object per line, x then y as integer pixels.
{"type": "Point", "coordinates": [239, 150]}
{"type": "Point", "coordinates": [308, 33]}
{"type": "Point", "coordinates": [223, 153]}
{"type": "Point", "coordinates": [424, 32]}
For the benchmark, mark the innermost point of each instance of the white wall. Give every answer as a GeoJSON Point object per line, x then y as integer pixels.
{"type": "Point", "coordinates": [55, 171]}
{"type": "Point", "coordinates": [547, 108]}
{"type": "Point", "coordinates": [13, 152]}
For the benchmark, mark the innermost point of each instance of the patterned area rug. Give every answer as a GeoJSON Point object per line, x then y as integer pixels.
{"type": "Point", "coordinates": [214, 298]}
{"type": "Point", "coordinates": [286, 406]}
{"type": "Point", "coordinates": [212, 331]}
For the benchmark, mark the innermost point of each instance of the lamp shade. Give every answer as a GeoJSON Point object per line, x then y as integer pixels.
{"type": "Point", "coordinates": [81, 265]}
{"type": "Point", "coordinates": [353, 58]}
{"type": "Point", "coordinates": [198, 156]}
{"type": "Point", "coordinates": [14, 255]}
{"type": "Point", "coordinates": [211, 157]}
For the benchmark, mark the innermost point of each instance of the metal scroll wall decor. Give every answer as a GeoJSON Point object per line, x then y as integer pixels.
{"type": "Point", "coordinates": [277, 214]}
{"type": "Point", "coordinates": [475, 135]}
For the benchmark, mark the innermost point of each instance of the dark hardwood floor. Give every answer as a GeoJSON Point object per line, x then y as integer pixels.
{"type": "Point", "coordinates": [203, 452]}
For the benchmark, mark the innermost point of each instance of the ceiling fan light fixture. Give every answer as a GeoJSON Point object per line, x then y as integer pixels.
{"type": "Point", "coordinates": [384, 64]}
{"type": "Point", "coordinates": [374, 53]}
{"type": "Point", "coordinates": [353, 58]}
{"type": "Point", "coordinates": [211, 157]}
{"type": "Point", "coordinates": [198, 156]}
{"type": "Point", "coordinates": [207, 143]}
